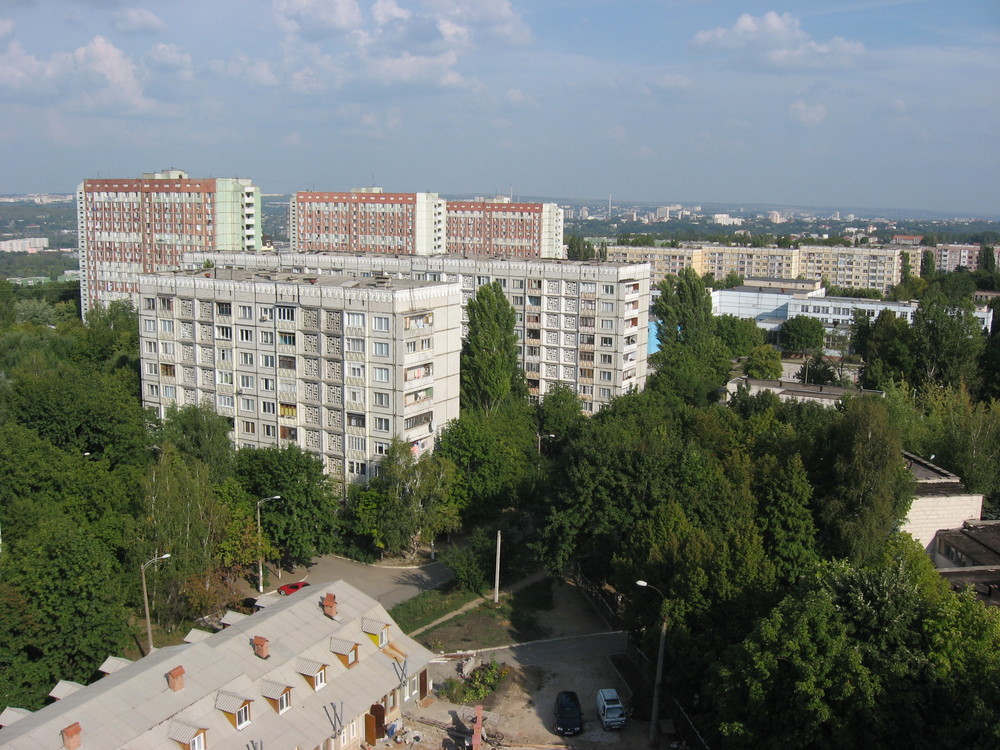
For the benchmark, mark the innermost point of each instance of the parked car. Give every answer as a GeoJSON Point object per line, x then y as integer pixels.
{"type": "Point", "coordinates": [610, 709]}
{"type": "Point", "coordinates": [569, 716]}
{"type": "Point", "coordinates": [291, 588]}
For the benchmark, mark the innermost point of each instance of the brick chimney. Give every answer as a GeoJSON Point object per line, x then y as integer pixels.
{"type": "Point", "coordinates": [71, 736]}
{"type": "Point", "coordinates": [260, 644]}
{"type": "Point", "coordinates": [330, 605]}
{"type": "Point", "coordinates": [175, 679]}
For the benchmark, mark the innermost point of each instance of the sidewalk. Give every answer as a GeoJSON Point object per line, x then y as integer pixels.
{"type": "Point", "coordinates": [538, 576]}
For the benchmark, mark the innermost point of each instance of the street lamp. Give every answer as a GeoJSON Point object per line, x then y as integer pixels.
{"type": "Point", "coordinates": [654, 719]}
{"type": "Point", "coordinates": [145, 596]}
{"type": "Point", "coordinates": [540, 436]}
{"type": "Point", "coordinates": [260, 542]}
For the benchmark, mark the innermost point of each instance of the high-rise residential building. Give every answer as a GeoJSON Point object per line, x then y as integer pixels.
{"type": "Point", "coordinates": [952, 257]}
{"type": "Point", "coordinates": [131, 226]}
{"type": "Point", "coordinates": [371, 221]}
{"type": "Point", "coordinates": [368, 220]}
{"type": "Point", "coordinates": [580, 323]}
{"type": "Point", "coordinates": [336, 365]}
{"type": "Point", "coordinates": [497, 226]}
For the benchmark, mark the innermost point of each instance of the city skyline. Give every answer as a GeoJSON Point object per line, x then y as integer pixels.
{"type": "Point", "coordinates": [881, 103]}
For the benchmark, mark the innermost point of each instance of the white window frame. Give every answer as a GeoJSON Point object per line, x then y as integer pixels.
{"type": "Point", "coordinates": [243, 716]}
{"type": "Point", "coordinates": [380, 323]}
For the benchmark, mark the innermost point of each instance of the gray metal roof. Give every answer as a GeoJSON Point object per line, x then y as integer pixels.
{"type": "Point", "coordinates": [134, 708]}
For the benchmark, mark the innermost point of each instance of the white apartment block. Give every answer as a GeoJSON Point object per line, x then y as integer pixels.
{"type": "Point", "coordinates": [854, 267]}
{"type": "Point", "coordinates": [372, 221]}
{"type": "Point", "coordinates": [338, 366]}
{"type": "Point", "coordinates": [581, 323]}
{"type": "Point", "coordinates": [25, 245]}
{"type": "Point", "coordinates": [770, 307]}
{"type": "Point", "coordinates": [131, 226]}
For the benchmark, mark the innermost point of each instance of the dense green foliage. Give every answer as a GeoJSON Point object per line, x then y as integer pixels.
{"type": "Point", "coordinates": [491, 374]}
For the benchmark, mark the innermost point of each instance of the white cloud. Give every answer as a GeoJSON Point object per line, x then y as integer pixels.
{"type": "Point", "coordinates": [308, 17]}
{"type": "Point", "coordinates": [104, 59]}
{"type": "Point", "coordinates": [807, 114]}
{"type": "Point", "coordinates": [493, 17]}
{"type": "Point", "coordinates": [454, 33]}
{"type": "Point", "coordinates": [779, 42]}
{"type": "Point", "coordinates": [18, 69]}
{"type": "Point", "coordinates": [137, 20]}
{"type": "Point", "coordinates": [6, 27]}
{"type": "Point", "coordinates": [167, 57]}
{"type": "Point", "coordinates": [408, 68]}
{"type": "Point", "coordinates": [386, 11]}
{"type": "Point", "coordinates": [242, 67]}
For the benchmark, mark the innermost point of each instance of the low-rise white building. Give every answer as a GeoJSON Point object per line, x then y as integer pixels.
{"type": "Point", "coordinates": [324, 668]}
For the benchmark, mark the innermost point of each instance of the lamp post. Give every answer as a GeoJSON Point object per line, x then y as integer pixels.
{"type": "Point", "coordinates": [260, 542]}
{"type": "Point", "coordinates": [540, 436]}
{"type": "Point", "coordinates": [145, 596]}
{"type": "Point", "coordinates": [654, 719]}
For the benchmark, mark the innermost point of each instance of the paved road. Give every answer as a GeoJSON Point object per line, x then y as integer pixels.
{"type": "Point", "coordinates": [389, 586]}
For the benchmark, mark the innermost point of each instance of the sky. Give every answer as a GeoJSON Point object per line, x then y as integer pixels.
{"type": "Point", "coordinates": [825, 103]}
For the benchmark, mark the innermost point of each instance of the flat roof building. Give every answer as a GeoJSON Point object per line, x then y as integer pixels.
{"type": "Point", "coordinates": [333, 364]}
{"type": "Point", "coordinates": [581, 323]}
{"type": "Point", "coordinates": [131, 226]}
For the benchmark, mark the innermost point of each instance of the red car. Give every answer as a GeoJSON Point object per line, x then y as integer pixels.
{"type": "Point", "coordinates": [291, 588]}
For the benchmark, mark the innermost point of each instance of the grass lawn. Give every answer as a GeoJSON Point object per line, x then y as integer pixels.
{"type": "Point", "coordinates": [489, 625]}
{"type": "Point", "coordinates": [425, 608]}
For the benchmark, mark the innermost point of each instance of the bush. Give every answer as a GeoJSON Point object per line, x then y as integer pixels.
{"type": "Point", "coordinates": [482, 681]}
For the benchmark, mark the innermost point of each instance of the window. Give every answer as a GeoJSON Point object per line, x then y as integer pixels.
{"type": "Point", "coordinates": [169, 391]}
{"type": "Point", "coordinates": [605, 359]}
{"type": "Point", "coordinates": [148, 303]}
{"type": "Point", "coordinates": [224, 332]}
{"type": "Point", "coordinates": [604, 392]}
{"type": "Point", "coordinates": [380, 323]}
{"type": "Point", "coordinates": [151, 368]}
{"type": "Point", "coordinates": [267, 313]}
{"type": "Point", "coordinates": [606, 375]}
{"type": "Point", "coordinates": [270, 431]}
{"type": "Point", "coordinates": [356, 443]}
{"type": "Point", "coordinates": [381, 348]}
{"type": "Point", "coordinates": [518, 300]}
{"type": "Point", "coordinates": [224, 308]}
{"type": "Point", "coordinates": [226, 401]}
{"type": "Point", "coordinates": [168, 348]}
{"type": "Point", "coordinates": [287, 410]}
{"type": "Point", "coordinates": [225, 355]}
{"type": "Point", "coordinates": [607, 341]}
{"type": "Point", "coordinates": [224, 377]}
{"type": "Point", "coordinates": [286, 313]}
{"type": "Point", "coordinates": [607, 325]}
{"type": "Point", "coordinates": [609, 288]}
{"type": "Point", "coordinates": [287, 433]}
{"type": "Point", "coordinates": [607, 307]}
{"type": "Point", "coordinates": [249, 428]}
{"type": "Point", "coordinates": [411, 346]}
{"type": "Point", "coordinates": [267, 384]}
{"type": "Point", "coordinates": [284, 701]}
{"type": "Point", "coordinates": [268, 407]}
{"type": "Point", "coordinates": [167, 326]}
{"type": "Point", "coordinates": [381, 374]}
{"type": "Point", "coordinates": [246, 312]}
{"type": "Point", "coordinates": [167, 371]}
{"type": "Point", "coordinates": [354, 345]}
{"type": "Point", "coordinates": [417, 420]}
{"type": "Point", "coordinates": [246, 358]}
{"type": "Point", "coordinates": [356, 319]}
{"type": "Point", "coordinates": [355, 420]}
{"type": "Point", "coordinates": [197, 742]}
{"type": "Point", "coordinates": [266, 361]}
{"type": "Point", "coordinates": [380, 398]}
{"type": "Point", "coordinates": [246, 335]}
{"type": "Point", "coordinates": [383, 639]}
{"type": "Point", "coordinates": [166, 303]}
{"type": "Point", "coordinates": [357, 467]}
{"type": "Point", "coordinates": [319, 679]}
{"type": "Point", "coordinates": [248, 404]}
{"type": "Point", "coordinates": [152, 390]}
{"type": "Point", "coordinates": [151, 347]}
{"type": "Point", "coordinates": [381, 424]}
{"type": "Point", "coordinates": [286, 362]}
{"type": "Point", "coordinates": [246, 381]}
{"type": "Point", "coordinates": [586, 322]}
{"type": "Point", "coordinates": [381, 449]}
{"type": "Point", "coordinates": [267, 337]}
{"type": "Point", "coordinates": [286, 339]}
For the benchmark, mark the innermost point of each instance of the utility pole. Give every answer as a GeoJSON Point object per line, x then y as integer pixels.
{"type": "Point", "coordinates": [496, 580]}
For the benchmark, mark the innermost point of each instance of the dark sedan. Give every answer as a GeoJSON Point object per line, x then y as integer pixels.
{"type": "Point", "coordinates": [569, 716]}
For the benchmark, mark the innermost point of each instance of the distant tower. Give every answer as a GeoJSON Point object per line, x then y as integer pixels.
{"type": "Point", "coordinates": [609, 206]}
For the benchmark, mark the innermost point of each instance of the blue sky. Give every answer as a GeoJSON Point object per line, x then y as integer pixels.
{"type": "Point", "coordinates": [876, 103]}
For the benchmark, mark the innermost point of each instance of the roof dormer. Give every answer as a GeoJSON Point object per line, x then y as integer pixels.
{"type": "Point", "coordinates": [377, 630]}
{"type": "Point", "coordinates": [236, 707]}
{"type": "Point", "coordinates": [313, 671]}
{"type": "Point", "coordinates": [346, 650]}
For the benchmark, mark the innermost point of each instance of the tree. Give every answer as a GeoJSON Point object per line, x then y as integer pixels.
{"type": "Point", "coordinates": [802, 334]}
{"type": "Point", "coordinates": [763, 363]}
{"type": "Point", "coordinates": [948, 341]}
{"type": "Point", "coordinates": [987, 260]}
{"type": "Point", "coordinates": [61, 609]}
{"type": "Point", "coordinates": [740, 335]}
{"type": "Point", "coordinates": [410, 500]}
{"type": "Point", "coordinates": [306, 521]}
{"type": "Point", "coordinates": [817, 370]}
{"type": "Point", "coordinates": [560, 418]}
{"type": "Point", "coordinates": [490, 373]}
{"type": "Point", "coordinates": [684, 309]}
{"type": "Point", "coordinates": [886, 348]}
{"type": "Point", "coordinates": [577, 248]}
{"type": "Point", "coordinates": [198, 432]}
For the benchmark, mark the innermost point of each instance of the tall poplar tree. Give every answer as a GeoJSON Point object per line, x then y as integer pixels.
{"type": "Point", "coordinates": [490, 371]}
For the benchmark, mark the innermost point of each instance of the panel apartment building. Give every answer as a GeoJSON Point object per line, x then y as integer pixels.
{"type": "Point", "coordinates": [131, 226]}
{"type": "Point", "coordinates": [335, 365]}
{"type": "Point", "coordinates": [581, 323]}
{"type": "Point", "coordinates": [853, 267]}
{"type": "Point", "coordinates": [372, 221]}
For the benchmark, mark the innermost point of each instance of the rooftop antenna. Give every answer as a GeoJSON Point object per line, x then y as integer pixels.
{"type": "Point", "coordinates": [609, 206]}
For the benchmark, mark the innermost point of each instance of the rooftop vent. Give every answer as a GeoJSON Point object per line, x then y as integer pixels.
{"type": "Point", "coordinates": [175, 679]}
{"type": "Point", "coordinates": [260, 646]}
{"type": "Point", "coordinates": [71, 736]}
{"type": "Point", "coordinates": [330, 605]}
